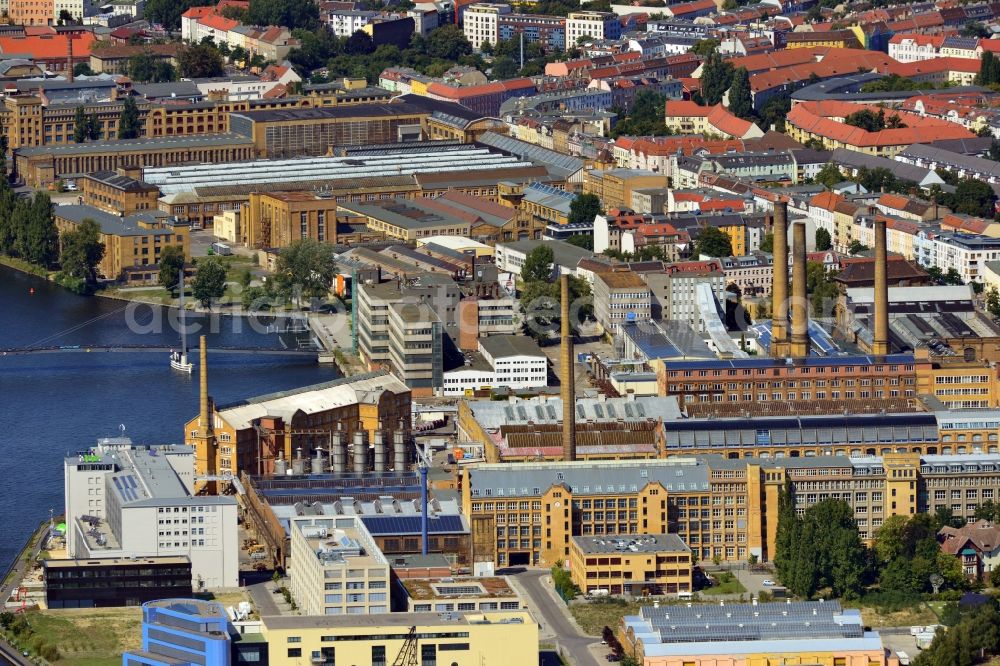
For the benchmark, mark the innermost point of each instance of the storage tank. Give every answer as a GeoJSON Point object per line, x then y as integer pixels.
{"type": "Point", "coordinates": [339, 451]}
{"type": "Point", "coordinates": [319, 462]}
{"type": "Point", "coordinates": [380, 451]}
{"type": "Point", "coordinates": [280, 465]}
{"type": "Point", "coordinates": [399, 449]}
{"type": "Point", "coordinates": [299, 463]}
{"type": "Point", "coordinates": [360, 451]}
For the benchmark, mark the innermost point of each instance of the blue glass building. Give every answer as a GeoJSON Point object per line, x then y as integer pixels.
{"type": "Point", "coordinates": [182, 632]}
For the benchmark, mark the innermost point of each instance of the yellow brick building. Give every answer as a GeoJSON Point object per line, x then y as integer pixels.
{"type": "Point", "coordinates": [529, 513]}
{"type": "Point", "coordinates": [277, 219]}
{"type": "Point", "coordinates": [118, 192]}
{"type": "Point", "coordinates": [646, 564]}
{"type": "Point", "coordinates": [501, 638]}
{"type": "Point", "coordinates": [614, 187]}
{"type": "Point", "coordinates": [132, 241]}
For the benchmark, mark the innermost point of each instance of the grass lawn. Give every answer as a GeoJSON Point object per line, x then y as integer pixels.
{"type": "Point", "coordinates": [728, 584]}
{"type": "Point", "coordinates": [919, 614]}
{"type": "Point", "coordinates": [88, 636]}
{"type": "Point", "coordinates": [593, 616]}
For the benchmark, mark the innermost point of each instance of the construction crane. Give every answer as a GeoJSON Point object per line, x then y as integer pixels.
{"type": "Point", "coordinates": [408, 654]}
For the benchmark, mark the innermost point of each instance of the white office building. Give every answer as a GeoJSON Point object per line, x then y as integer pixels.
{"type": "Point", "coordinates": [512, 361]}
{"type": "Point", "coordinates": [125, 500]}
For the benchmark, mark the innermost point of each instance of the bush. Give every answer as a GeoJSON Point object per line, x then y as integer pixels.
{"type": "Point", "coordinates": [890, 602]}
{"type": "Point", "coordinates": [563, 583]}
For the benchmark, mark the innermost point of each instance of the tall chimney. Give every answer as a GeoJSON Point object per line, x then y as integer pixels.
{"type": "Point", "coordinates": [69, 58]}
{"type": "Point", "coordinates": [205, 412]}
{"type": "Point", "coordinates": [800, 298]}
{"type": "Point", "coordinates": [880, 340]}
{"type": "Point", "coordinates": [779, 301]}
{"type": "Point", "coordinates": [567, 389]}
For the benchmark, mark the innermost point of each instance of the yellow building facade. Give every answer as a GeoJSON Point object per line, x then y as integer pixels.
{"type": "Point", "coordinates": [475, 639]}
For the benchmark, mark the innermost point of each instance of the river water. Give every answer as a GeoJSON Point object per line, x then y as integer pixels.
{"type": "Point", "coordinates": [52, 404]}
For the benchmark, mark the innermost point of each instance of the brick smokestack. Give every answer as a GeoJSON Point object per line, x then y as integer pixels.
{"type": "Point", "coordinates": [880, 340]}
{"type": "Point", "coordinates": [566, 389]}
{"type": "Point", "coordinates": [205, 411]}
{"type": "Point", "coordinates": [69, 58]}
{"type": "Point", "coordinates": [800, 298]}
{"type": "Point", "coordinates": [779, 301]}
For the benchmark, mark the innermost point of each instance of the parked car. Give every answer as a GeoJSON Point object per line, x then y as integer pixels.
{"type": "Point", "coordinates": [768, 582]}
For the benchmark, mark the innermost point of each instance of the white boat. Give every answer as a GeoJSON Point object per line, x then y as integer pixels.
{"type": "Point", "coordinates": [179, 360]}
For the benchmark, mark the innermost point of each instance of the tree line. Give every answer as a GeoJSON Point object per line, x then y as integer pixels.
{"type": "Point", "coordinates": [821, 549]}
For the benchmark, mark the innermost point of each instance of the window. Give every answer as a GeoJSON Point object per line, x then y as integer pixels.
{"type": "Point", "coordinates": [294, 652]}
{"type": "Point", "coordinates": [378, 655]}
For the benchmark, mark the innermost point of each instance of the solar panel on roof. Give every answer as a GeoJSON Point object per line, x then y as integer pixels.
{"type": "Point", "coordinates": [379, 525]}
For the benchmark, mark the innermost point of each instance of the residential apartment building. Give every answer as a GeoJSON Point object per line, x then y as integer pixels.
{"type": "Point", "coordinates": [752, 273]}
{"type": "Point", "coordinates": [344, 23]}
{"type": "Point", "coordinates": [549, 32]}
{"type": "Point", "coordinates": [592, 25]}
{"type": "Point", "coordinates": [636, 564]}
{"type": "Point", "coordinates": [336, 567]}
{"type": "Point", "coordinates": [976, 545]}
{"type": "Point", "coordinates": [481, 23]}
{"type": "Point", "coordinates": [131, 241]}
{"type": "Point", "coordinates": [124, 500]}
{"type": "Point", "coordinates": [620, 297]}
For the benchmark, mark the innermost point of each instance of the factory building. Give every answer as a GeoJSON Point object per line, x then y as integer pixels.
{"type": "Point", "coordinates": [528, 513]}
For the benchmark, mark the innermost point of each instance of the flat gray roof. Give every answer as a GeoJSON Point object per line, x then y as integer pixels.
{"type": "Point", "coordinates": [631, 543]}
{"type": "Point", "coordinates": [112, 224]}
{"type": "Point", "coordinates": [138, 145]}
{"type": "Point", "coordinates": [499, 346]}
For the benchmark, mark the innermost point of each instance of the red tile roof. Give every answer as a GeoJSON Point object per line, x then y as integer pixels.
{"type": "Point", "coordinates": [826, 200]}
{"type": "Point", "coordinates": [691, 7]}
{"type": "Point", "coordinates": [46, 47]}
{"type": "Point", "coordinates": [922, 40]}
{"type": "Point", "coordinates": [198, 12]}
{"type": "Point", "coordinates": [217, 22]}
{"type": "Point", "coordinates": [818, 118]}
{"type": "Point", "coordinates": [933, 66]}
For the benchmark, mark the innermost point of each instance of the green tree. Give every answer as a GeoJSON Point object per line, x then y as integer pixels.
{"type": "Point", "coordinates": [81, 252]}
{"type": "Point", "coordinates": [713, 242]}
{"type": "Point", "coordinates": [360, 43]}
{"type": "Point", "coordinates": [584, 208]}
{"type": "Point", "coordinates": [171, 263]}
{"type": "Point", "coordinates": [829, 175]}
{"type": "Point", "coordinates": [447, 43]}
{"type": "Point", "coordinates": [645, 118]}
{"type": "Point", "coordinates": [767, 243]}
{"type": "Point", "coordinates": [289, 13]}
{"type": "Point", "coordinates": [974, 197]}
{"type": "Point", "coordinates": [254, 299]}
{"type": "Point", "coordinates": [80, 125]}
{"type": "Point", "coordinates": [503, 68]}
{"type": "Point", "coordinates": [144, 68]}
{"type": "Point", "coordinates": [586, 241]}
{"type": "Point", "coordinates": [787, 535]}
{"type": "Point", "coordinates": [39, 240]}
{"type": "Point", "coordinates": [989, 70]}
{"type": "Point", "coordinates": [82, 69]}
{"type": "Point", "coordinates": [538, 265]}
{"type": "Point", "coordinates": [740, 101]}
{"type": "Point", "coordinates": [716, 77]}
{"type": "Point", "coordinates": [129, 125]}
{"type": "Point", "coordinates": [305, 267]}
{"type": "Point", "coordinates": [993, 305]}
{"type": "Point", "coordinates": [705, 47]}
{"type": "Point", "coordinates": [774, 112]}
{"type": "Point", "coordinates": [202, 61]}
{"type": "Point", "coordinates": [857, 247]}
{"type": "Point", "coordinates": [823, 240]}
{"type": "Point", "coordinates": [93, 127]}
{"type": "Point", "coordinates": [168, 12]}
{"type": "Point", "coordinates": [210, 281]}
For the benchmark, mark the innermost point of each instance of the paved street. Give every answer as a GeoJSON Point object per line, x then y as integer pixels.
{"type": "Point", "coordinates": [557, 624]}
{"type": "Point", "coordinates": [263, 598]}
